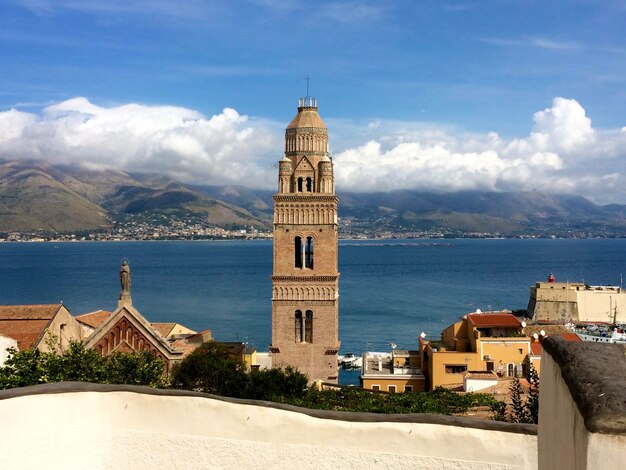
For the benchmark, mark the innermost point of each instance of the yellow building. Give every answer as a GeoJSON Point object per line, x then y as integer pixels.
{"type": "Point", "coordinates": [479, 342]}
{"type": "Point", "coordinates": [395, 372]}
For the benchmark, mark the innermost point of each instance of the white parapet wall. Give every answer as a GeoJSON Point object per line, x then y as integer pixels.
{"type": "Point", "coordinates": [72, 426]}
{"type": "Point", "coordinates": [582, 406]}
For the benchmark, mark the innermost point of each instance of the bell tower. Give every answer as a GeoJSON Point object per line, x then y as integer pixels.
{"type": "Point", "coordinates": [305, 289]}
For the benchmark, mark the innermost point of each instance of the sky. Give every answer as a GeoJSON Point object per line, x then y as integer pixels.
{"type": "Point", "coordinates": [494, 95]}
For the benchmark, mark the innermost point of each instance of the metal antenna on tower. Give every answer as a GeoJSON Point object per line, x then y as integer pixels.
{"type": "Point", "coordinates": [307, 78]}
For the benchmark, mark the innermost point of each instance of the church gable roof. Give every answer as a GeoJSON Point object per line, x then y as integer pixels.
{"type": "Point", "coordinates": [138, 321]}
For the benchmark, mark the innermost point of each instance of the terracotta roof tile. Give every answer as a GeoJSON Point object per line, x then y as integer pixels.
{"type": "Point", "coordinates": [548, 329]}
{"type": "Point", "coordinates": [493, 320]}
{"type": "Point", "coordinates": [29, 312]}
{"type": "Point", "coordinates": [481, 375]}
{"type": "Point", "coordinates": [570, 337]}
{"type": "Point", "coordinates": [535, 348]}
{"type": "Point", "coordinates": [93, 319]}
{"type": "Point", "coordinates": [25, 332]}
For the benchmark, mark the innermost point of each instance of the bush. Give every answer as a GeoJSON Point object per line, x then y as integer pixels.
{"type": "Point", "coordinates": [276, 384]}
{"type": "Point", "coordinates": [211, 369]}
{"type": "Point", "coordinates": [438, 401]}
{"type": "Point", "coordinates": [77, 363]}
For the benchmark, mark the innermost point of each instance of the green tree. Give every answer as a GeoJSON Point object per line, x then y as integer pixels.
{"type": "Point", "coordinates": [138, 368]}
{"type": "Point", "coordinates": [22, 368]}
{"type": "Point", "coordinates": [518, 407]}
{"type": "Point", "coordinates": [498, 408]}
{"type": "Point", "coordinates": [276, 384]}
{"type": "Point", "coordinates": [77, 363]}
{"type": "Point", "coordinates": [211, 369]}
{"type": "Point", "coordinates": [532, 403]}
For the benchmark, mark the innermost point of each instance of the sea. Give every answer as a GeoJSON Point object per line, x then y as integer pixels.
{"type": "Point", "coordinates": [390, 290]}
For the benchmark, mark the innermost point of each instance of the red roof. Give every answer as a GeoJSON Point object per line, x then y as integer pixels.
{"type": "Point", "coordinates": [493, 320]}
{"type": "Point", "coordinates": [535, 348]}
{"type": "Point", "coordinates": [29, 312]}
{"type": "Point", "coordinates": [570, 336]}
{"type": "Point", "coordinates": [93, 319]}
{"type": "Point", "coordinates": [26, 323]}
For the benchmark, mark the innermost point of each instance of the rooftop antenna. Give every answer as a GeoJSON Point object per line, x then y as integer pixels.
{"type": "Point", "coordinates": [308, 79]}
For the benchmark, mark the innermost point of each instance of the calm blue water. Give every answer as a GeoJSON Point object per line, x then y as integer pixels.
{"type": "Point", "coordinates": [389, 291]}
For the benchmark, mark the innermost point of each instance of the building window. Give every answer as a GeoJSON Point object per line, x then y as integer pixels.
{"type": "Point", "coordinates": [308, 253]}
{"type": "Point", "coordinates": [309, 185]}
{"type": "Point", "coordinates": [455, 369]}
{"type": "Point", "coordinates": [299, 185]}
{"type": "Point", "coordinates": [303, 325]}
{"type": "Point", "coordinates": [391, 389]}
{"type": "Point", "coordinates": [376, 388]}
{"type": "Point", "coordinates": [299, 326]}
{"type": "Point", "coordinates": [298, 252]}
{"type": "Point", "coordinates": [308, 327]}
{"type": "Point", "coordinates": [510, 370]}
{"type": "Point", "coordinates": [408, 388]}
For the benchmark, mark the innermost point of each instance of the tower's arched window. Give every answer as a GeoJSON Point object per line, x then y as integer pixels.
{"type": "Point", "coordinates": [299, 185]}
{"type": "Point", "coordinates": [308, 327]}
{"type": "Point", "coordinates": [299, 324]}
{"type": "Point", "coordinates": [308, 253]}
{"type": "Point", "coordinates": [298, 252]}
{"type": "Point", "coordinates": [309, 184]}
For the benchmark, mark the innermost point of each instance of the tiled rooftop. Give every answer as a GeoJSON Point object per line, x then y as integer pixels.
{"type": "Point", "coordinates": [493, 320]}
{"type": "Point", "coordinates": [26, 332]}
{"type": "Point", "coordinates": [93, 319]}
{"type": "Point", "coordinates": [28, 312]}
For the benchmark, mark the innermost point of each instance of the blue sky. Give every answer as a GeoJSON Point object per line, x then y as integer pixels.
{"type": "Point", "coordinates": [447, 73]}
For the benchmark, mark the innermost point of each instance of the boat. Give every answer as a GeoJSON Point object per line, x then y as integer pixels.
{"type": "Point", "coordinates": [600, 335]}
{"type": "Point", "coordinates": [603, 333]}
{"type": "Point", "coordinates": [350, 361]}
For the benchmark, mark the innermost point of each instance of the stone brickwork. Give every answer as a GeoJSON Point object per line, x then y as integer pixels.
{"type": "Point", "coordinates": [305, 291]}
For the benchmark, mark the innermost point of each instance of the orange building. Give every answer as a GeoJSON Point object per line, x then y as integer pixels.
{"type": "Point", "coordinates": [479, 342]}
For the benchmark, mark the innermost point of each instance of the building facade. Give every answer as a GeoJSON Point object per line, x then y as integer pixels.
{"type": "Point", "coordinates": [492, 342]}
{"type": "Point", "coordinates": [395, 372]}
{"type": "Point", "coordinates": [564, 302]}
{"type": "Point", "coordinates": [305, 290]}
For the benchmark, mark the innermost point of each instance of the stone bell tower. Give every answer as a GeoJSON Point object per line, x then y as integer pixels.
{"type": "Point", "coordinates": [305, 290]}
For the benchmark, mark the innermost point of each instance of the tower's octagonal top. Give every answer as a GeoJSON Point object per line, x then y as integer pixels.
{"type": "Point", "coordinates": [307, 115]}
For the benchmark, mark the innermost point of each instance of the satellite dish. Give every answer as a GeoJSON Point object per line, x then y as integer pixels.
{"type": "Point", "coordinates": [422, 335]}
{"type": "Point", "coordinates": [535, 336]}
{"type": "Point", "coordinates": [523, 324]}
{"type": "Point", "coordinates": [478, 310]}
{"type": "Point", "coordinates": [542, 333]}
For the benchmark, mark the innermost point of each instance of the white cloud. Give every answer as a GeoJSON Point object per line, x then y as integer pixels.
{"type": "Point", "coordinates": [562, 153]}
{"type": "Point", "coordinates": [223, 149]}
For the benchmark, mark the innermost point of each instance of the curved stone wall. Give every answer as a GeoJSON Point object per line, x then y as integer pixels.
{"type": "Point", "coordinates": [77, 425]}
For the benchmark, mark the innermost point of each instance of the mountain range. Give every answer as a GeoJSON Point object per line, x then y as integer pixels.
{"type": "Point", "coordinates": [38, 196]}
